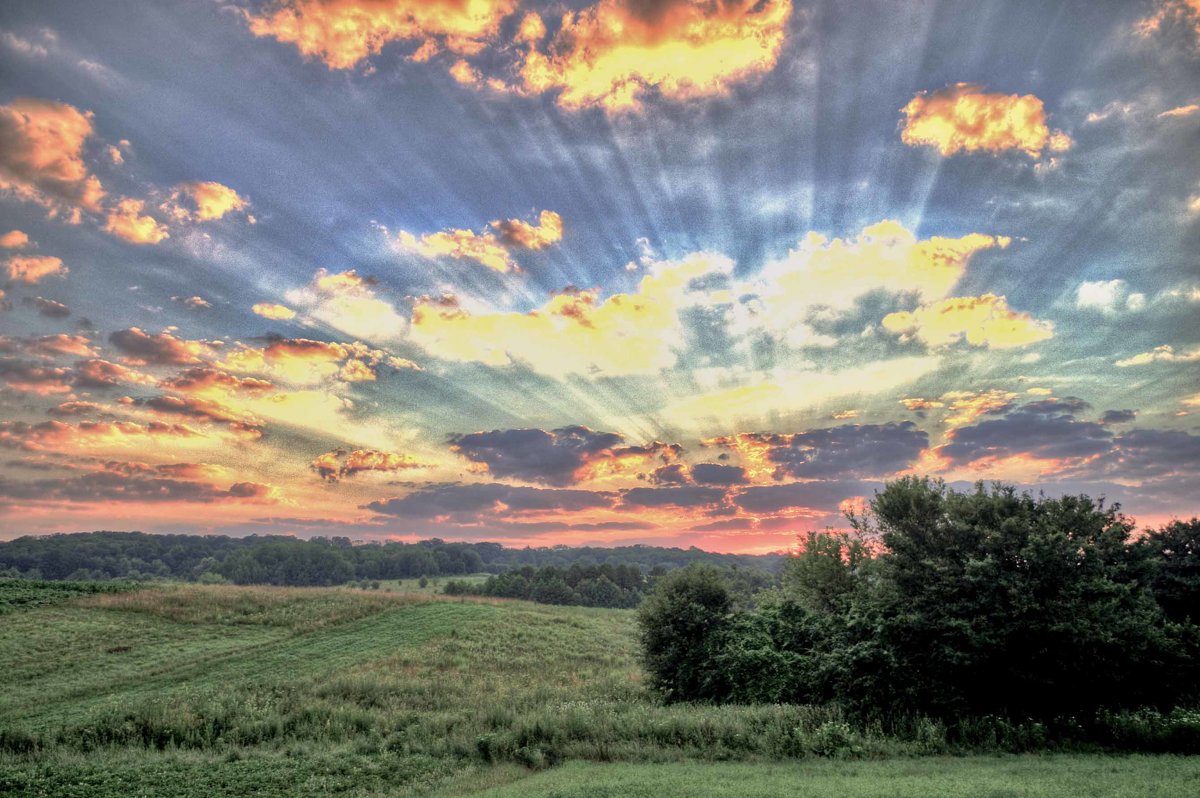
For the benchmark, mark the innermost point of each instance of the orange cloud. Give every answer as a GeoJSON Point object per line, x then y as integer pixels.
{"type": "Point", "coordinates": [492, 247]}
{"type": "Point", "coordinates": [274, 312]}
{"type": "Point", "coordinates": [617, 52]}
{"type": "Point", "coordinates": [32, 269]}
{"type": "Point", "coordinates": [41, 155]}
{"type": "Point", "coordinates": [207, 200]}
{"type": "Point", "coordinates": [1169, 13]}
{"type": "Point", "coordinates": [96, 373]}
{"type": "Point", "coordinates": [343, 33]}
{"type": "Point", "coordinates": [57, 436]}
{"type": "Point", "coordinates": [200, 380]}
{"type": "Point", "coordinates": [127, 223]}
{"type": "Point", "coordinates": [965, 118]}
{"type": "Point", "coordinates": [966, 406]}
{"type": "Point", "coordinates": [339, 463]}
{"type": "Point", "coordinates": [1183, 110]}
{"type": "Point", "coordinates": [983, 321]}
{"type": "Point", "coordinates": [49, 346]}
{"type": "Point", "coordinates": [519, 233]}
{"type": "Point", "coordinates": [33, 378]}
{"type": "Point", "coordinates": [141, 348]}
{"type": "Point", "coordinates": [14, 239]}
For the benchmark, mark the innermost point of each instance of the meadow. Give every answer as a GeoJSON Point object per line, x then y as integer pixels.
{"type": "Point", "coordinates": [191, 690]}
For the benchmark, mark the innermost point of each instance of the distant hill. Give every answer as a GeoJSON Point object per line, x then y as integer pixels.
{"type": "Point", "coordinates": [281, 560]}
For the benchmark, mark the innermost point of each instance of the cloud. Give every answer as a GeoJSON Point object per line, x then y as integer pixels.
{"type": "Point", "coordinates": [127, 223]}
{"type": "Point", "coordinates": [885, 256]}
{"type": "Point", "coordinates": [74, 408]}
{"type": "Point", "coordinates": [204, 201]}
{"type": "Point", "coordinates": [796, 390]}
{"type": "Point", "coordinates": [850, 450]}
{"type": "Point", "coordinates": [575, 332]}
{"type": "Point", "coordinates": [41, 156]}
{"type": "Point", "coordinates": [477, 501]}
{"type": "Point", "coordinates": [346, 301]}
{"type": "Point", "coordinates": [686, 496]}
{"type": "Point", "coordinates": [14, 239]}
{"type": "Point", "coordinates": [142, 348]}
{"type": "Point", "coordinates": [1161, 354]}
{"type": "Point", "coordinates": [112, 486]}
{"type": "Point", "coordinates": [193, 302]}
{"type": "Point", "coordinates": [48, 346]}
{"type": "Point", "coordinates": [97, 373]}
{"type": "Point", "coordinates": [1118, 417]}
{"type": "Point", "coordinates": [343, 33]}
{"type": "Point", "coordinates": [492, 247]}
{"type": "Point", "coordinates": [204, 379]}
{"type": "Point", "coordinates": [1171, 16]}
{"type": "Point", "coordinates": [200, 409]}
{"type": "Point", "coordinates": [616, 53]}
{"type": "Point", "coordinates": [560, 457]}
{"type": "Point", "coordinates": [964, 118]}
{"type": "Point", "coordinates": [1046, 430]}
{"type": "Point", "coordinates": [34, 378]}
{"type": "Point", "coordinates": [339, 463]}
{"type": "Point", "coordinates": [821, 496]}
{"type": "Point", "coordinates": [1108, 296]}
{"type": "Point", "coordinates": [982, 321]}
{"type": "Point", "coordinates": [57, 436]}
{"type": "Point", "coordinates": [48, 307]}
{"type": "Point", "coordinates": [718, 474]}
{"type": "Point", "coordinates": [32, 269]}
{"type": "Point", "coordinates": [1180, 111]}
{"type": "Point", "coordinates": [274, 312]}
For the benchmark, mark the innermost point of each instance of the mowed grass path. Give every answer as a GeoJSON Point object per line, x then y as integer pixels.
{"type": "Point", "coordinates": [226, 691]}
{"type": "Point", "coordinates": [1028, 776]}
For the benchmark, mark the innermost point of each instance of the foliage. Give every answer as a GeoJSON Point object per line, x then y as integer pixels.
{"type": "Point", "coordinates": [279, 560]}
{"type": "Point", "coordinates": [957, 605]}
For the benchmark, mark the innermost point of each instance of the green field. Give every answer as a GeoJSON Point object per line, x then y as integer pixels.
{"type": "Point", "coordinates": [182, 690]}
{"type": "Point", "coordinates": [433, 584]}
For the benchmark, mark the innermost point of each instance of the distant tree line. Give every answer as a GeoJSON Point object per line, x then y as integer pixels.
{"type": "Point", "coordinates": [991, 603]}
{"type": "Point", "coordinates": [281, 560]}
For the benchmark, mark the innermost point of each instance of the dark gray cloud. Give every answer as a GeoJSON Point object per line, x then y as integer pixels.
{"type": "Point", "coordinates": [1118, 416]}
{"type": "Point", "coordinates": [850, 450]}
{"type": "Point", "coordinates": [108, 486]}
{"type": "Point", "coordinates": [1046, 429]}
{"type": "Point", "coordinates": [818, 495]}
{"type": "Point", "coordinates": [677, 496]}
{"type": "Point", "coordinates": [716, 474]}
{"type": "Point", "coordinates": [551, 457]}
{"type": "Point", "coordinates": [440, 500]}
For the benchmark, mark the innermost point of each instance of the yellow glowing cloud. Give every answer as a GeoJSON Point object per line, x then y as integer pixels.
{"type": "Point", "coordinates": [127, 223]}
{"type": "Point", "coordinates": [983, 321]}
{"type": "Point", "coordinates": [483, 248]}
{"type": "Point", "coordinates": [1161, 354]}
{"type": "Point", "coordinates": [41, 155]}
{"type": "Point", "coordinates": [965, 118]}
{"type": "Point", "coordinates": [575, 332]}
{"type": "Point", "coordinates": [208, 200]}
{"type": "Point", "coordinates": [31, 269]}
{"type": "Point", "coordinates": [885, 256]}
{"type": "Point", "coordinates": [492, 247]}
{"type": "Point", "coordinates": [342, 33]}
{"type": "Point", "coordinates": [346, 301]}
{"type": "Point", "coordinates": [966, 406]}
{"type": "Point", "coordinates": [796, 391]}
{"type": "Point", "coordinates": [617, 52]}
{"type": "Point", "coordinates": [272, 311]}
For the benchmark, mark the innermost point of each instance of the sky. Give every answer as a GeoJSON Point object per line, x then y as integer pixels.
{"type": "Point", "coordinates": [675, 272]}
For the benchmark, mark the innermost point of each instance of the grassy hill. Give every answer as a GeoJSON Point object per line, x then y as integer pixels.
{"type": "Point", "coordinates": [189, 690]}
